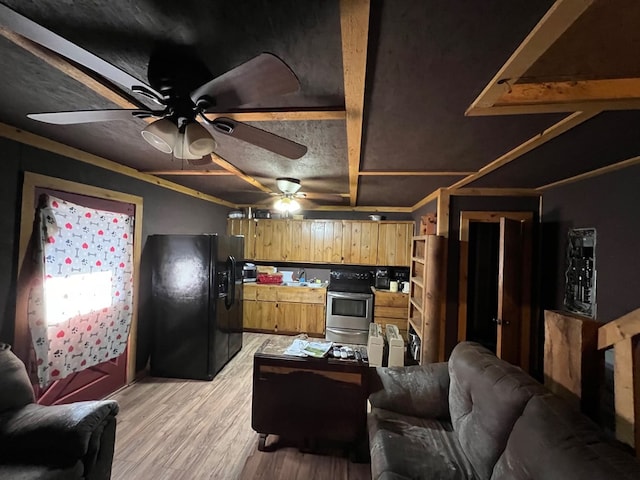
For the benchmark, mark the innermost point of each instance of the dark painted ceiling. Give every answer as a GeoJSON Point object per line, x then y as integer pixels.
{"type": "Point", "coordinates": [427, 61]}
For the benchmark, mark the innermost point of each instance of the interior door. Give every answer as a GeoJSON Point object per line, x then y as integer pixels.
{"type": "Point", "coordinates": [510, 288]}
{"type": "Point", "coordinates": [99, 380]}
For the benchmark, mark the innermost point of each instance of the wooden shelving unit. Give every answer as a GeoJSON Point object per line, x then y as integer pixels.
{"type": "Point", "coordinates": [428, 295]}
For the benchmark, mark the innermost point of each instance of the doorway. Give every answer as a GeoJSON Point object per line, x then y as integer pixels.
{"type": "Point", "coordinates": [482, 283]}
{"type": "Point", "coordinates": [495, 282]}
{"type": "Point", "coordinates": [102, 378]}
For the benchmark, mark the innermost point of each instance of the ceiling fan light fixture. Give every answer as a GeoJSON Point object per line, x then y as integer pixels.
{"type": "Point", "coordinates": [286, 204]}
{"type": "Point", "coordinates": [181, 149]}
{"type": "Point", "coordinates": [199, 140]}
{"type": "Point", "coordinates": [288, 185]}
{"type": "Point", "coordinates": [161, 135]}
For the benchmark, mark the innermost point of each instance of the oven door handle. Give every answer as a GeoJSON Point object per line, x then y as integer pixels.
{"type": "Point", "coordinates": [347, 332]}
{"type": "Point", "coordinates": [350, 296]}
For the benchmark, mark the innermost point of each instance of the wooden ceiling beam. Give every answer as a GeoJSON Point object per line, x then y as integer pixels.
{"type": "Point", "coordinates": [630, 162]}
{"type": "Point", "coordinates": [278, 115]}
{"type": "Point", "coordinates": [187, 173]}
{"type": "Point", "coordinates": [550, 133]}
{"type": "Point", "coordinates": [561, 15]}
{"type": "Point", "coordinates": [68, 68]}
{"type": "Point", "coordinates": [221, 162]}
{"type": "Point", "coordinates": [570, 96]}
{"type": "Point", "coordinates": [411, 174]}
{"type": "Point", "coordinates": [354, 27]}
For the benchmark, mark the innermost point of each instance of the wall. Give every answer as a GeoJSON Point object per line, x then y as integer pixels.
{"type": "Point", "coordinates": [609, 203]}
{"type": "Point", "coordinates": [165, 211]}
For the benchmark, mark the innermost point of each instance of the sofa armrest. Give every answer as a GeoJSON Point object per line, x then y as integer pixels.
{"type": "Point", "coordinates": [420, 390]}
{"type": "Point", "coordinates": [53, 435]}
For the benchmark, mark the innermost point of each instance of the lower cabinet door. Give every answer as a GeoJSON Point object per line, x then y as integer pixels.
{"type": "Point", "coordinates": [300, 318]}
{"type": "Point", "coordinates": [259, 315]}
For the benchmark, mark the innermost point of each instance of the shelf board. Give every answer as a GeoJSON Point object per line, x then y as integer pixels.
{"type": "Point", "coordinates": [418, 260]}
{"type": "Point", "coordinates": [417, 327]}
{"type": "Point", "coordinates": [418, 281]}
{"type": "Point", "coordinates": [417, 303]}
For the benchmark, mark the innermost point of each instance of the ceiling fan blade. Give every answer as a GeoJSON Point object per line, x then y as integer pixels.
{"type": "Point", "coordinates": [38, 34]}
{"type": "Point", "coordinates": [261, 77]}
{"type": "Point", "coordinates": [90, 116]}
{"type": "Point", "coordinates": [260, 138]}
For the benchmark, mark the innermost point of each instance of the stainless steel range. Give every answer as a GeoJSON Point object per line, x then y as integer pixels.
{"type": "Point", "coordinates": [349, 306]}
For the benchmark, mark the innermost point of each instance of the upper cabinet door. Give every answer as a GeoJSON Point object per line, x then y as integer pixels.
{"type": "Point", "coordinates": [394, 244]}
{"type": "Point", "coordinates": [326, 241]}
{"type": "Point", "coordinates": [298, 241]}
{"type": "Point", "coordinates": [246, 227]}
{"type": "Point", "coordinates": [271, 240]}
{"type": "Point", "coordinates": [360, 242]}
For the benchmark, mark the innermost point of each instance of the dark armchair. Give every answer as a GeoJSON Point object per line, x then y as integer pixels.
{"type": "Point", "coordinates": [73, 441]}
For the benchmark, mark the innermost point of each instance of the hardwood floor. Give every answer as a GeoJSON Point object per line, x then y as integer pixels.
{"type": "Point", "coordinates": [190, 430]}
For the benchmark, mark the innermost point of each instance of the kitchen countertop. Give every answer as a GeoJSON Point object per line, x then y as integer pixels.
{"type": "Point", "coordinates": [313, 286]}
{"type": "Point", "coordinates": [381, 290]}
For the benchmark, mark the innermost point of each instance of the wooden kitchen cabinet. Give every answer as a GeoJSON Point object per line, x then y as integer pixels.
{"type": "Point", "coordinates": [281, 309]}
{"type": "Point", "coordinates": [391, 308]}
{"type": "Point", "coordinates": [325, 241]}
{"type": "Point", "coordinates": [394, 243]}
{"type": "Point", "coordinates": [246, 227]}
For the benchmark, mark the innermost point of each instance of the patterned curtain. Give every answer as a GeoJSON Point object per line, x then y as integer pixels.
{"type": "Point", "coordinates": [80, 313]}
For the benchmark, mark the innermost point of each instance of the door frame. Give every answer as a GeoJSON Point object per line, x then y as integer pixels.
{"type": "Point", "coordinates": [35, 180]}
{"type": "Point", "coordinates": [467, 217]}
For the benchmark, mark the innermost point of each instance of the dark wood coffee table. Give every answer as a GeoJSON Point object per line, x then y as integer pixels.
{"type": "Point", "coordinates": [308, 399]}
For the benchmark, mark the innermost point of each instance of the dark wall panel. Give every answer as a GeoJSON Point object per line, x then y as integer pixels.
{"type": "Point", "coordinates": [164, 211]}
{"type": "Point", "coordinates": [609, 203]}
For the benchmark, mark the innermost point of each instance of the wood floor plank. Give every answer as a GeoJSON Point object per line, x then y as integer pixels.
{"type": "Point", "coordinates": [185, 429]}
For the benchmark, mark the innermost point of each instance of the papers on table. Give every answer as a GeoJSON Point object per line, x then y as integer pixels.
{"type": "Point", "coordinates": [305, 348]}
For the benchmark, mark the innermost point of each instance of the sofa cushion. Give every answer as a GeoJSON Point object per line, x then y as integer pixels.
{"type": "Point", "coordinates": [406, 447]}
{"type": "Point", "coordinates": [15, 387]}
{"type": "Point", "coordinates": [418, 390]}
{"type": "Point", "coordinates": [551, 441]}
{"type": "Point", "coordinates": [486, 397]}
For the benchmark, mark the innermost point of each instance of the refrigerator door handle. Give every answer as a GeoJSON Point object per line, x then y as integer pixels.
{"type": "Point", "coordinates": [231, 282]}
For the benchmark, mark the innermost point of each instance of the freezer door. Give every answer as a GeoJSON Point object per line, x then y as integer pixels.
{"type": "Point", "coordinates": [180, 304]}
{"type": "Point", "coordinates": [219, 318]}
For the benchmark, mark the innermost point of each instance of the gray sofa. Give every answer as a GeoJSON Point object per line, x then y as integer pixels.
{"type": "Point", "coordinates": [60, 442]}
{"type": "Point", "coordinates": [478, 417]}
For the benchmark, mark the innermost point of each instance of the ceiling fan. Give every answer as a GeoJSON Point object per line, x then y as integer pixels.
{"type": "Point", "coordinates": [290, 194]}
{"type": "Point", "coordinates": [183, 88]}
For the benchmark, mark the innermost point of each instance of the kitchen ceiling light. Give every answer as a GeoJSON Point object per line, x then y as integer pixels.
{"type": "Point", "coordinates": [199, 140]}
{"type": "Point", "coordinates": [161, 134]}
{"type": "Point", "coordinates": [286, 204]}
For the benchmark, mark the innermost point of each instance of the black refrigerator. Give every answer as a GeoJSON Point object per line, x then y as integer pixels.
{"type": "Point", "coordinates": [196, 295]}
